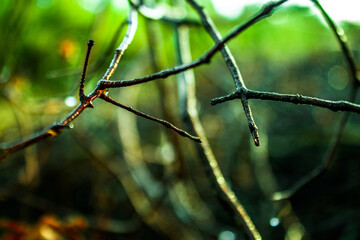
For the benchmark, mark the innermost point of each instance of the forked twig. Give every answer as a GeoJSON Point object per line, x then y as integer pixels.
{"type": "Point", "coordinates": [231, 64]}
{"type": "Point", "coordinates": [205, 58]}
{"type": "Point", "coordinates": [86, 101]}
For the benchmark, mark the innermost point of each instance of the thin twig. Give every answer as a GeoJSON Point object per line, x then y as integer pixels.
{"type": "Point", "coordinates": [204, 149]}
{"type": "Point", "coordinates": [290, 98]}
{"type": "Point", "coordinates": [81, 88]}
{"type": "Point", "coordinates": [158, 120]}
{"type": "Point", "coordinates": [57, 128]}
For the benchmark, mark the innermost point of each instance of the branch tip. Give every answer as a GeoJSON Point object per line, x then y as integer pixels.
{"type": "Point", "coordinates": [82, 96]}
{"type": "Point", "coordinates": [91, 43]}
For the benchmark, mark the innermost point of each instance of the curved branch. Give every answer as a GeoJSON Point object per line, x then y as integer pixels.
{"type": "Point", "coordinates": [161, 121]}
{"type": "Point", "coordinates": [342, 40]}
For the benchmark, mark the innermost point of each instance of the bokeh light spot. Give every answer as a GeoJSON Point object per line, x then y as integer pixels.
{"type": "Point", "coordinates": [226, 235]}
{"type": "Point", "coordinates": [70, 101]}
{"type": "Point", "coordinates": [274, 222]}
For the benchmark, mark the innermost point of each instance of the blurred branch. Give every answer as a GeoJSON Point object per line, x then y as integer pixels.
{"type": "Point", "coordinates": [342, 40]}
{"type": "Point", "coordinates": [100, 60]}
{"type": "Point", "coordinates": [204, 149]}
{"type": "Point", "coordinates": [330, 154]}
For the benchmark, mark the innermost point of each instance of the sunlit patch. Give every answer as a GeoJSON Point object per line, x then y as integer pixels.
{"type": "Point", "coordinates": [93, 6]}
{"type": "Point", "coordinates": [338, 77]}
{"type": "Point", "coordinates": [230, 8]}
{"type": "Point", "coordinates": [295, 232]}
{"type": "Point", "coordinates": [120, 4]}
{"type": "Point", "coordinates": [70, 101]}
{"type": "Point", "coordinates": [167, 153]}
{"type": "Point", "coordinates": [227, 235]}
{"type": "Point", "coordinates": [346, 10]}
{"type": "Point", "coordinates": [274, 222]}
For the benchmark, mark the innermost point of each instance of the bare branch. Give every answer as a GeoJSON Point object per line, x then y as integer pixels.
{"type": "Point", "coordinates": [161, 121]}
{"type": "Point", "coordinates": [86, 102]}
{"type": "Point", "coordinates": [290, 98]}
{"type": "Point", "coordinates": [266, 11]}
{"type": "Point", "coordinates": [37, 137]}
{"type": "Point", "coordinates": [81, 88]}
{"type": "Point", "coordinates": [231, 64]}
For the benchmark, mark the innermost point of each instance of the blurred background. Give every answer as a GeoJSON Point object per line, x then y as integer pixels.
{"type": "Point", "coordinates": [118, 176]}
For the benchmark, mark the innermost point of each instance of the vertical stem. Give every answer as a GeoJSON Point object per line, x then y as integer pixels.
{"type": "Point", "coordinates": [204, 149]}
{"type": "Point", "coordinates": [81, 89]}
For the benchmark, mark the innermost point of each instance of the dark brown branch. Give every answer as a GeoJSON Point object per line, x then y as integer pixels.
{"type": "Point", "coordinates": [266, 11]}
{"type": "Point", "coordinates": [158, 120]}
{"type": "Point", "coordinates": [37, 137]}
{"type": "Point", "coordinates": [87, 101]}
{"type": "Point", "coordinates": [81, 88]}
{"type": "Point", "coordinates": [290, 98]}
